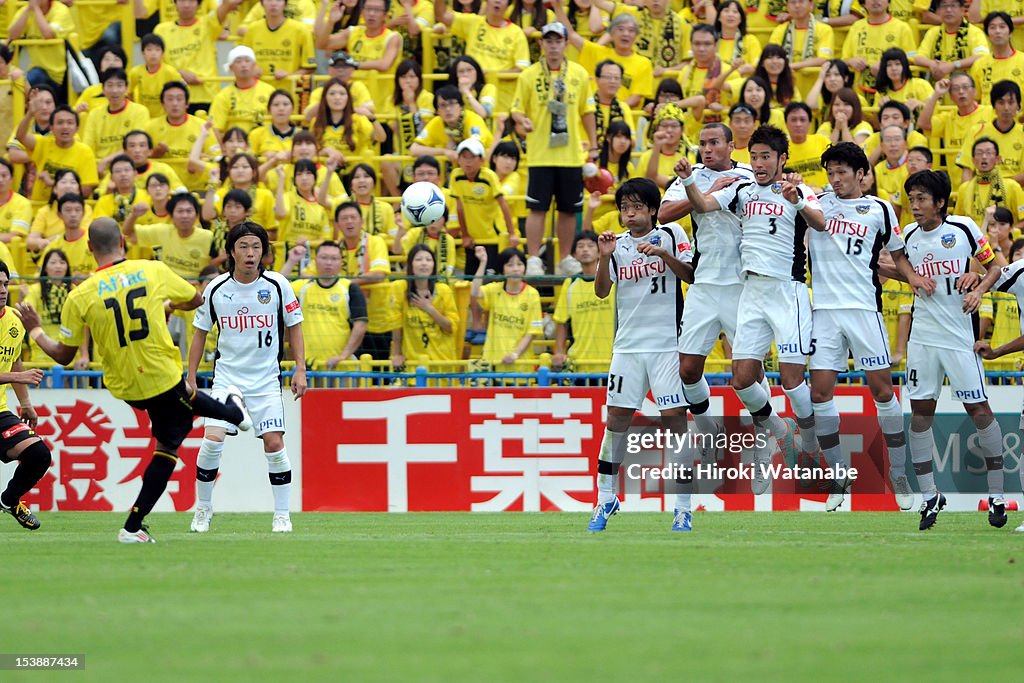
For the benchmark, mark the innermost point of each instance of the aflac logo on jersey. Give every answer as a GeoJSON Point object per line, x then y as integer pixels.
{"type": "Point", "coordinates": [949, 240]}
{"type": "Point", "coordinates": [263, 296]}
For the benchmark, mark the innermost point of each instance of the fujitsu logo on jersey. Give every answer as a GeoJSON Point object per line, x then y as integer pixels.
{"type": "Point", "coordinates": [243, 320]}
{"type": "Point", "coordinates": [929, 267]}
{"type": "Point", "coordinates": [763, 209]}
{"type": "Point", "coordinates": [838, 226]}
{"type": "Point", "coordinates": [641, 270]}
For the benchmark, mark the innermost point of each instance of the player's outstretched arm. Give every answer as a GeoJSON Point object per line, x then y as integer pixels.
{"type": "Point", "coordinates": [34, 326]}
{"type": "Point", "coordinates": [702, 203]}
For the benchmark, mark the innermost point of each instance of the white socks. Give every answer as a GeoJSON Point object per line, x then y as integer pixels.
{"type": "Point", "coordinates": [280, 469]}
{"type": "Point", "coordinates": [207, 465]}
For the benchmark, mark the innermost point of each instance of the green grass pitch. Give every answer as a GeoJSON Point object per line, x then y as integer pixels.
{"type": "Point", "coordinates": [519, 597]}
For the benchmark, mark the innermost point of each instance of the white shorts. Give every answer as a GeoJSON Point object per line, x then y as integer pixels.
{"type": "Point", "coordinates": [837, 332]}
{"type": "Point", "coordinates": [265, 410]}
{"type": "Point", "coordinates": [928, 366]}
{"type": "Point", "coordinates": [708, 311]}
{"type": "Point", "coordinates": [632, 374]}
{"type": "Point", "coordinates": [772, 309]}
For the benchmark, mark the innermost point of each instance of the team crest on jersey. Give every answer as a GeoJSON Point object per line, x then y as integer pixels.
{"type": "Point", "coordinates": [524, 307]}
{"type": "Point", "coordinates": [334, 298]}
{"type": "Point", "coordinates": [13, 332]}
{"type": "Point", "coordinates": [655, 240]}
{"type": "Point", "coordinates": [863, 208]}
{"type": "Point", "coordinates": [263, 296]}
{"type": "Point", "coordinates": [949, 240]}
{"type": "Point", "coordinates": [777, 188]}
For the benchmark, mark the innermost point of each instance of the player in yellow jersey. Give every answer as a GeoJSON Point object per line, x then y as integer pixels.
{"type": "Point", "coordinates": [125, 305]}
{"type": "Point", "coordinates": [426, 316]}
{"type": "Point", "coordinates": [581, 316]}
{"type": "Point", "coordinates": [106, 126]}
{"type": "Point", "coordinates": [18, 441]}
{"type": "Point", "coordinates": [283, 47]}
{"type": "Point", "coordinates": [515, 316]}
{"type": "Point", "coordinates": [147, 80]}
{"type": "Point", "coordinates": [333, 308]}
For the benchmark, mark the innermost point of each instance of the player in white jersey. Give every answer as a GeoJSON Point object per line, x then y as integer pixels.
{"type": "Point", "coordinates": [942, 335]}
{"type": "Point", "coordinates": [848, 310]}
{"type": "Point", "coordinates": [646, 264]}
{"type": "Point", "coordinates": [1012, 282]}
{"type": "Point", "coordinates": [251, 308]}
{"type": "Point", "coordinates": [712, 301]}
{"type": "Point", "coordinates": [774, 304]}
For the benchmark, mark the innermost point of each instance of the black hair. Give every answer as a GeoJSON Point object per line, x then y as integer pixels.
{"type": "Point", "coordinates": [643, 189]}
{"type": "Point", "coordinates": [242, 230]}
{"type": "Point", "coordinates": [771, 136]}
{"type": "Point", "coordinates": [898, 106]}
{"type": "Point", "coordinates": [416, 249]}
{"type": "Point", "coordinates": [617, 128]}
{"type": "Point", "coordinates": [923, 151]}
{"type": "Point", "coordinates": [180, 197]}
{"type": "Point", "coordinates": [934, 6]}
{"type": "Point", "coordinates": [279, 93]}
{"type": "Point", "coordinates": [115, 72]}
{"type": "Point", "coordinates": [5, 270]}
{"type": "Point", "coordinates": [160, 178]}
{"type": "Point", "coordinates": [765, 113]}
{"type": "Point", "coordinates": [704, 28]}
{"type": "Point", "coordinates": [726, 131]}
{"type": "Point", "coordinates": [69, 198]}
{"type": "Point", "coordinates": [784, 87]}
{"type": "Point", "coordinates": [175, 85]}
{"type": "Point", "coordinates": [46, 286]}
{"type": "Point", "coordinates": [996, 14]}
{"type": "Point", "coordinates": [453, 76]}
{"type": "Point", "coordinates": [848, 153]}
{"type": "Point", "coordinates": [797, 106]}
{"type": "Point", "coordinates": [1004, 88]}
{"type": "Point", "coordinates": [934, 183]}
{"type": "Point", "coordinates": [426, 160]}
{"type": "Point", "coordinates": [585, 236]}
{"type": "Point", "coordinates": [982, 140]}
{"type": "Point", "coordinates": [111, 48]}
{"type": "Point", "coordinates": [328, 243]}
{"type": "Point", "coordinates": [883, 83]}
{"type": "Point", "coordinates": [505, 149]}
{"type": "Point", "coordinates": [668, 85]}
{"type": "Point", "coordinates": [605, 62]}
{"type": "Point", "coordinates": [346, 205]}
{"type": "Point", "coordinates": [1003, 215]}
{"type": "Point", "coordinates": [741, 30]}
{"type": "Point", "coordinates": [62, 108]}
{"type": "Point", "coordinates": [507, 255]}
{"type": "Point", "coordinates": [447, 92]}
{"type": "Point", "coordinates": [407, 66]}
{"type": "Point", "coordinates": [304, 165]}
{"type": "Point", "coordinates": [238, 197]}
{"type": "Point", "coordinates": [6, 53]}
{"type": "Point", "coordinates": [122, 159]}
{"type": "Point", "coordinates": [57, 175]}
{"type": "Point", "coordinates": [153, 39]}
{"type": "Point", "coordinates": [7, 164]}
{"type": "Point", "coordinates": [124, 140]}
{"type": "Point", "coordinates": [844, 70]}
{"type": "Point", "coordinates": [365, 168]}
{"type": "Point", "coordinates": [742, 108]}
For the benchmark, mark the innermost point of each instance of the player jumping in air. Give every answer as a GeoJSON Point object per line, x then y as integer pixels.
{"type": "Point", "coordinates": [252, 308]}
{"type": "Point", "coordinates": [123, 305]}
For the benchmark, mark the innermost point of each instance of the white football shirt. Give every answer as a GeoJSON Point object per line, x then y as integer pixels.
{"type": "Point", "coordinates": [944, 254]}
{"type": "Point", "coordinates": [648, 297]}
{"type": "Point", "coordinates": [844, 258]}
{"type": "Point", "coordinates": [716, 235]}
{"type": "Point", "coordinates": [251, 319]}
{"type": "Point", "coordinates": [773, 230]}
{"type": "Point", "coordinates": [1010, 281]}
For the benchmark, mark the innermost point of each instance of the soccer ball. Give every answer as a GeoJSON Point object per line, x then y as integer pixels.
{"type": "Point", "coordinates": [423, 203]}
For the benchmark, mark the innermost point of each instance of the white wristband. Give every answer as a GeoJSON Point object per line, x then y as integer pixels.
{"type": "Point", "coordinates": [800, 204]}
{"type": "Point", "coordinates": [689, 180]}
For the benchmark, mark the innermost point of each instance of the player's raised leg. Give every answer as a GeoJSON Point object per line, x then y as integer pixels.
{"type": "Point", "coordinates": [33, 460]}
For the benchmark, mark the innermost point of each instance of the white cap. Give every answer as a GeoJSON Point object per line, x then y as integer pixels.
{"type": "Point", "coordinates": [471, 145]}
{"type": "Point", "coordinates": [238, 52]}
{"type": "Point", "coordinates": [555, 27]}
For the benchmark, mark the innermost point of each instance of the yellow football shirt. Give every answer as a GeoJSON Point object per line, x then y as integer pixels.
{"type": "Point", "coordinates": [80, 259]}
{"type": "Point", "coordinates": [179, 140]}
{"type": "Point", "coordinates": [975, 196]}
{"type": "Point", "coordinates": [371, 256]}
{"type": "Point", "coordinates": [193, 47]}
{"type": "Point", "coordinates": [869, 41]}
{"type": "Point", "coordinates": [52, 58]}
{"type": "Point", "coordinates": [511, 317]}
{"type": "Point", "coordinates": [379, 219]}
{"type": "Point", "coordinates": [362, 138]}
{"type": "Point", "coordinates": [242, 107]}
{"type": "Point", "coordinates": [327, 317]}
{"type": "Point", "coordinates": [897, 300]}
{"type": "Point", "coordinates": [364, 48]}
{"type": "Point", "coordinates": [422, 338]}
{"type": "Point", "coordinates": [288, 47]}
{"type": "Point", "coordinates": [266, 140]}
{"type": "Point", "coordinates": [15, 214]}
{"type": "Point", "coordinates": [442, 246]}
{"type": "Point", "coordinates": [534, 91]}
{"type": "Point", "coordinates": [105, 130]}
{"type": "Point", "coordinates": [989, 70]}
{"type": "Point", "coordinates": [1011, 148]}
{"type": "Point", "coordinates": [117, 206]}
{"type": "Point", "coordinates": [47, 156]}
{"type": "Point", "coordinates": [821, 48]}
{"type": "Point", "coordinates": [484, 221]}
{"type": "Point", "coordinates": [185, 256]}
{"type": "Point", "coordinates": [496, 48]}
{"type": "Point", "coordinates": [434, 135]}
{"type": "Point", "coordinates": [591, 323]}
{"type": "Point", "coordinates": [12, 336]}
{"type": "Point", "coordinates": [123, 306]}
{"type": "Point", "coordinates": [944, 46]}
{"type": "Point", "coordinates": [145, 86]}
{"type": "Point", "coordinates": [49, 314]}
{"type": "Point", "coordinates": [638, 71]}
{"type": "Point", "coordinates": [1002, 309]}
{"type": "Point", "coordinates": [306, 220]}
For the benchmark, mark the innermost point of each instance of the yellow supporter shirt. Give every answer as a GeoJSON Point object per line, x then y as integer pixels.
{"type": "Point", "coordinates": [267, 140]}
{"type": "Point", "coordinates": [434, 133]}
{"type": "Point", "coordinates": [862, 128]}
{"type": "Point", "coordinates": [12, 336]}
{"type": "Point", "coordinates": [665, 41]}
{"type": "Point", "coordinates": [606, 113]}
{"type": "Point", "coordinates": [914, 89]}
{"type": "Point", "coordinates": [940, 44]}
{"type": "Point", "coordinates": [666, 164]}
{"type": "Point", "coordinates": [185, 256]}
{"type": "Point", "coordinates": [496, 48]}
{"type": "Point", "coordinates": [123, 306]}
{"type": "Point", "coordinates": [407, 124]}
{"type": "Point", "coordinates": [145, 86]}
{"type": "Point", "coordinates": [511, 317]}
{"type": "Point", "coordinates": [989, 70]}
{"type": "Point", "coordinates": [262, 211]}
{"type": "Point", "coordinates": [179, 139]}
{"type": "Point", "coordinates": [362, 137]}
{"type": "Point", "coordinates": [288, 47]}
{"type": "Point", "coordinates": [193, 47]}
{"type": "Point", "coordinates": [52, 58]}
{"type": "Point", "coordinates": [47, 156]}
{"type": "Point", "coordinates": [80, 259]}
{"type": "Point", "coordinates": [105, 130]}
{"type": "Point", "coordinates": [1014, 7]}
{"type": "Point", "coordinates": [869, 41]}
{"type": "Point", "coordinates": [483, 218]}
{"type": "Point", "coordinates": [242, 107]}
{"type": "Point", "coordinates": [897, 300]}
{"type": "Point", "coordinates": [533, 93]}
{"type": "Point", "coordinates": [371, 256]}
{"type": "Point", "coordinates": [154, 166]}
{"type": "Point", "coordinates": [47, 222]}
{"type": "Point", "coordinates": [914, 139]}
{"type": "Point", "coordinates": [975, 196]}
{"type": "Point", "coordinates": [443, 247]}
{"type": "Point", "coordinates": [357, 90]}
{"type": "Point", "coordinates": [821, 47]}
{"type": "Point", "coordinates": [748, 49]}
{"type": "Point", "coordinates": [892, 179]}
{"type": "Point", "coordinates": [1011, 148]}
{"type": "Point", "coordinates": [334, 189]}
{"type": "Point", "coordinates": [591, 323]}
{"type": "Point", "coordinates": [49, 314]}
{"type": "Point", "coordinates": [805, 159]}
{"type": "Point", "coordinates": [379, 219]}
{"type": "Point", "coordinates": [117, 206]}
{"type": "Point", "coordinates": [364, 48]}
{"type": "Point", "coordinates": [328, 314]}
{"type": "Point", "coordinates": [514, 185]}
{"type": "Point", "coordinates": [638, 71]}
{"type": "Point", "coordinates": [422, 338]}
{"type": "Point", "coordinates": [15, 214]}
{"type": "Point", "coordinates": [306, 220]}
{"type": "Point", "coordinates": [1002, 309]}
{"type": "Point", "coordinates": [741, 155]}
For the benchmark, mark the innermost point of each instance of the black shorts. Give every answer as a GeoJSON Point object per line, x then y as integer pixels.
{"type": "Point", "coordinates": [563, 183]}
{"type": "Point", "coordinates": [12, 432]}
{"type": "Point", "coordinates": [170, 415]}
